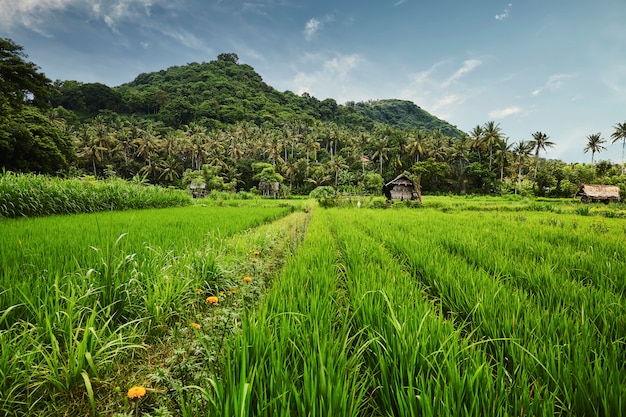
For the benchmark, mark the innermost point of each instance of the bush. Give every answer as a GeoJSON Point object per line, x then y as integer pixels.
{"type": "Point", "coordinates": [325, 196]}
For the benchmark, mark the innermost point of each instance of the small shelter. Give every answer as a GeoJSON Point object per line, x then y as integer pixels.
{"type": "Point", "coordinates": [198, 189]}
{"type": "Point", "coordinates": [402, 188]}
{"type": "Point", "coordinates": [269, 188]}
{"type": "Point", "coordinates": [597, 192]}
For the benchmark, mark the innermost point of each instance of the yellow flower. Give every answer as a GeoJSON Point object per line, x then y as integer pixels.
{"type": "Point", "coordinates": [254, 260]}
{"type": "Point", "coordinates": [199, 291]}
{"type": "Point", "coordinates": [247, 279]}
{"type": "Point", "coordinates": [136, 392]}
{"type": "Point", "coordinates": [195, 326]}
{"type": "Point", "coordinates": [222, 293]}
{"type": "Point", "coordinates": [212, 300]}
{"type": "Point", "coordinates": [256, 253]}
{"type": "Point", "coordinates": [233, 289]}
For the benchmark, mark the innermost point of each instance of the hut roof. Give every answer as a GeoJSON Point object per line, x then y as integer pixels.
{"type": "Point", "coordinates": [599, 192]}
{"type": "Point", "coordinates": [400, 180]}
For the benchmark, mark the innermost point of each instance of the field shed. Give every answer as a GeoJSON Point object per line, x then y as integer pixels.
{"type": "Point", "coordinates": [402, 188]}
{"type": "Point", "coordinates": [269, 188]}
{"type": "Point", "coordinates": [596, 192]}
{"type": "Point", "coordinates": [198, 189]}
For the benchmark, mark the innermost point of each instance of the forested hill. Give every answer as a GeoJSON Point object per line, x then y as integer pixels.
{"type": "Point", "coordinates": [222, 92]}
{"type": "Point", "coordinates": [405, 114]}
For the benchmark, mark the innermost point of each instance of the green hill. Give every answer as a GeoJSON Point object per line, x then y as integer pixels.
{"type": "Point", "coordinates": [223, 92]}
{"type": "Point", "coordinates": [405, 115]}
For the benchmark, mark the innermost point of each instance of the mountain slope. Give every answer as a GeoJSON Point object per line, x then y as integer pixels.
{"type": "Point", "coordinates": [405, 115]}
{"type": "Point", "coordinates": [222, 92]}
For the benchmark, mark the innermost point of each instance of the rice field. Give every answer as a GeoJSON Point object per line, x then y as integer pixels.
{"type": "Point", "coordinates": [428, 312]}
{"type": "Point", "coordinates": [442, 310]}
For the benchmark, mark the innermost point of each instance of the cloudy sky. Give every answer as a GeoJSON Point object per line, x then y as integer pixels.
{"type": "Point", "coordinates": [555, 66]}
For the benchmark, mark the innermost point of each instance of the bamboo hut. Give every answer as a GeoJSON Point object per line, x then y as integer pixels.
{"type": "Point", "coordinates": [402, 188]}
{"type": "Point", "coordinates": [596, 192]}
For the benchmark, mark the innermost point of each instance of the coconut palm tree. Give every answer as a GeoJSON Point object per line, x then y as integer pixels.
{"type": "Point", "coordinates": [620, 134]}
{"type": "Point", "coordinates": [594, 144]}
{"type": "Point", "coordinates": [492, 134]}
{"type": "Point", "coordinates": [540, 141]}
{"type": "Point", "coordinates": [522, 150]}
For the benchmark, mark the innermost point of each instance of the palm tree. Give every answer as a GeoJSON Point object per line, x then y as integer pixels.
{"type": "Point", "coordinates": [620, 134]}
{"type": "Point", "coordinates": [476, 135]}
{"type": "Point", "coordinates": [492, 134]}
{"type": "Point", "coordinates": [501, 155]}
{"type": "Point", "coordinates": [521, 150]}
{"type": "Point", "coordinates": [415, 145]}
{"type": "Point", "coordinates": [540, 141]}
{"type": "Point", "coordinates": [594, 144]}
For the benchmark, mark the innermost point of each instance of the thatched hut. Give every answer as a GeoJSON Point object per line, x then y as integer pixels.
{"type": "Point", "coordinates": [402, 188]}
{"type": "Point", "coordinates": [597, 192]}
{"type": "Point", "coordinates": [269, 188]}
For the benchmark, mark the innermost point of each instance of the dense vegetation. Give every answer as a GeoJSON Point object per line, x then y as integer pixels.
{"type": "Point", "coordinates": [167, 125]}
{"type": "Point", "coordinates": [30, 195]}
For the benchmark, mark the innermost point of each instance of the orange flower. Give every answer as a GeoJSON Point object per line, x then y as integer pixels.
{"type": "Point", "coordinates": [212, 300]}
{"type": "Point", "coordinates": [254, 260]}
{"type": "Point", "coordinates": [136, 392]}
{"type": "Point", "coordinates": [195, 326]}
{"type": "Point", "coordinates": [256, 253]}
{"type": "Point", "coordinates": [247, 279]}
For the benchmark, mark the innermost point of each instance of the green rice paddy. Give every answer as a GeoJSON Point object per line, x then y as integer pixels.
{"type": "Point", "coordinates": [462, 307]}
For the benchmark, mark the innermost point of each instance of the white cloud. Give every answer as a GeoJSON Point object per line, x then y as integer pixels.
{"type": "Point", "coordinates": [399, 2]}
{"type": "Point", "coordinates": [311, 28]}
{"type": "Point", "coordinates": [34, 14]}
{"type": "Point", "coordinates": [505, 13]}
{"type": "Point", "coordinates": [467, 67]}
{"type": "Point", "coordinates": [554, 82]}
{"type": "Point", "coordinates": [502, 113]}
{"type": "Point", "coordinates": [327, 79]}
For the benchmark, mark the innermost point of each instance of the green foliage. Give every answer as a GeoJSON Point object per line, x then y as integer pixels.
{"type": "Point", "coordinates": [213, 180]}
{"type": "Point", "coordinates": [32, 142]}
{"type": "Point", "coordinates": [21, 82]}
{"type": "Point", "coordinates": [325, 195]}
{"type": "Point", "coordinates": [373, 183]}
{"type": "Point", "coordinates": [405, 114]}
{"type": "Point", "coordinates": [28, 195]}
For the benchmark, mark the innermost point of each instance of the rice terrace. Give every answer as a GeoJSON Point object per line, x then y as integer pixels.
{"type": "Point", "coordinates": [459, 306]}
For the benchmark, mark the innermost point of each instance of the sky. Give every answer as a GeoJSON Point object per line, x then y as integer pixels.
{"type": "Point", "coordinates": [553, 66]}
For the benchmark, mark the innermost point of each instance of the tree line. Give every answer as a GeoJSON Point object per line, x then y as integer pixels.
{"type": "Point", "coordinates": [222, 116]}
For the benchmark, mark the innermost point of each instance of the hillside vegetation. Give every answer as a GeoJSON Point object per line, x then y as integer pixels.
{"type": "Point", "coordinates": [219, 123]}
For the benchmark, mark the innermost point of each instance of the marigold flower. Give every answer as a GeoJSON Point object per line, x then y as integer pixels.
{"type": "Point", "coordinates": [254, 260]}
{"type": "Point", "coordinates": [212, 299]}
{"type": "Point", "coordinates": [195, 326]}
{"type": "Point", "coordinates": [247, 279]}
{"type": "Point", "coordinates": [136, 392]}
{"type": "Point", "coordinates": [256, 252]}
{"type": "Point", "coordinates": [199, 291]}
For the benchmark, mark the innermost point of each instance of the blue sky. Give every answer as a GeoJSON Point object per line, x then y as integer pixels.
{"type": "Point", "coordinates": [555, 66]}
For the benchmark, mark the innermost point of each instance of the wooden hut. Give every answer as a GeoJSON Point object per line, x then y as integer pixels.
{"type": "Point", "coordinates": [269, 188]}
{"type": "Point", "coordinates": [597, 192]}
{"type": "Point", "coordinates": [402, 188]}
{"type": "Point", "coordinates": [198, 189]}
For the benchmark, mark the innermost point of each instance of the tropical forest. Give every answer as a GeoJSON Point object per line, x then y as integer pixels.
{"type": "Point", "coordinates": [220, 121]}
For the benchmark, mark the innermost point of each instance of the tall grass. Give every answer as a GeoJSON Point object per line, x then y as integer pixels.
{"type": "Point", "coordinates": [77, 304]}
{"type": "Point", "coordinates": [29, 195]}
